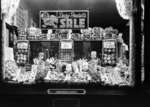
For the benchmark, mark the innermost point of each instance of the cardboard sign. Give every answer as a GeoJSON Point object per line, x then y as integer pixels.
{"type": "Point", "coordinates": [9, 54]}
{"type": "Point", "coordinates": [66, 45]}
{"type": "Point", "coordinates": [109, 44]}
{"type": "Point", "coordinates": [64, 19]}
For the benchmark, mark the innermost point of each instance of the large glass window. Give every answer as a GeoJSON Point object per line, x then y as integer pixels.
{"type": "Point", "coordinates": [68, 43]}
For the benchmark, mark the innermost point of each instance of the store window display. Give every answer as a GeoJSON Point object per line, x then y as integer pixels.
{"type": "Point", "coordinates": [84, 68]}
{"type": "Point", "coordinates": [92, 54]}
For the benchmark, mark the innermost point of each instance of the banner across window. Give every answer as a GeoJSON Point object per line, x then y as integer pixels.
{"type": "Point", "coordinates": [64, 19]}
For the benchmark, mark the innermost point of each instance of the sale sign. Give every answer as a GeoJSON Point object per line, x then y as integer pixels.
{"type": "Point", "coordinates": [64, 19]}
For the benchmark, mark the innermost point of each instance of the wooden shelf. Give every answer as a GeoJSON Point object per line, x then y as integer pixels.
{"type": "Point", "coordinates": [22, 40]}
{"type": "Point", "coordinates": [42, 40]}
{"type": "Point", "coordinates": [87, 40]}
{"type": "Point", "coordinates": [59, 40]}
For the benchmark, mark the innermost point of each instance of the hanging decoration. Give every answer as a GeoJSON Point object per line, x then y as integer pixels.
{"type": "Point", "coordinates": [124, 8]}
{"type": "Point", "coordinates": [9, 8]}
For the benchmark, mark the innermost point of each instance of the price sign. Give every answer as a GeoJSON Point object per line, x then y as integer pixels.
{"type": "Point", "coordinates": [109, 44]}
{"type": "Point", "coordinates": [9, 53]}
{"type": "Point", "coordinates": [66, 45]}
{"type": "Point", "coordinates": [64, 19]}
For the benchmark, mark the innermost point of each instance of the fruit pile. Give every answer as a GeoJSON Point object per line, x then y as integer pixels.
{"type": "Point", "coordinates": [75, 72]}
{"type": "Point", "coordinates": [10, 70]}
{"type": "Point", "coordinates": [82, 77]}
{"type": "Point", "coordinates": [68, 77]}
{"type": "Point", "coordinates": [97, 33]}
{"type": "Point", "coordinates": [54, 76]}
{"type": "Point", "coordinates": [23, 75]}
{"type": "Point", "coordinates": [118, 75]}
{"type": "Point", "coordinates": [22, 34]}
{"type": "Point", "coordinates": [21, 59]}
{"type": "Point", "coordinates": [22, 53]}
{"type": "Point", "coordinates": [110, 33]}
{"type": "Point", "coordinates": [76, 36]}
{"type": "Point", "coordinates": [113, 75]}
{"type": "Point", "coordinates": [109, 57]}
{"type": "Point", "coordinates": [33, 33]}
{"type": "Point", "coordinates": [86, 34]}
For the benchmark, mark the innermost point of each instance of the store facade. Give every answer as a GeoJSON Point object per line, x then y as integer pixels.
{"type": "Point", "coordinates": [65, 51]}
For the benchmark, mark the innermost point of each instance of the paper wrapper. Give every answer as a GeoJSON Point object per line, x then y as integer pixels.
{"type": "Point", "coordinates": [41, 72]}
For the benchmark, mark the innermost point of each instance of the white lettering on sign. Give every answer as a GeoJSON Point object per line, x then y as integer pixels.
{"type": "Point", "coordinates": [69, 23]}
{"type": "Point", "coordinates": [82, 23]}
{"type": "Point", "coordinates": [62, 21]}
{"type": "Point", "coordinates": [75, 24]}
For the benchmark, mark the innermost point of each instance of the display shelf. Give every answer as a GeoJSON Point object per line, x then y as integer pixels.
{"type": "Point", "coordinates": [59, 40]}
{"type": "Point", "coordinates": [87, 40]}
{"type": "Point", "coordinates": [42, 40]}
{"type": "Point", "coordinates": [22, 40]}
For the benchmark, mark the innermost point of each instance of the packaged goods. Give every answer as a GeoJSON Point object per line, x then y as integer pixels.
{"type": "Point", "coordinates": [11, 69]}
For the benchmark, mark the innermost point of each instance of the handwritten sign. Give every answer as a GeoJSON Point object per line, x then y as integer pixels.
{"type": "Point", "coordinates": [64, 19]}
{"type": "Point", "coordinates": [109, 44]}
{"type": "Point", "coordinates": [66, 45]}
{"type": "Point", "coordinates": [9, 54]}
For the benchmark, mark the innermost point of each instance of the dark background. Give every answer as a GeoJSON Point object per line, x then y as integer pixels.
{"type": "Point", "coordinates": [68, 101]}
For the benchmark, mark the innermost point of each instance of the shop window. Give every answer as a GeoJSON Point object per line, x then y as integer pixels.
{"type": "Point", "coordinates": [65, 49]}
